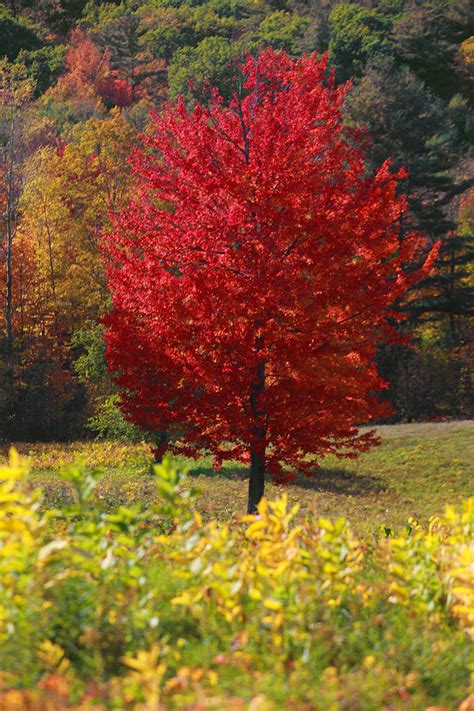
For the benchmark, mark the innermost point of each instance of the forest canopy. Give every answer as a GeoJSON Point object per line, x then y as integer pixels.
{"type": "Point", "coordinates": [78, 80]}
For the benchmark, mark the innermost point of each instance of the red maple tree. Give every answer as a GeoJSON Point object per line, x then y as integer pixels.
{"type": "Point", "coordinates": [253, 273]}
{"type": "Point", "coordinates": [88, 71]}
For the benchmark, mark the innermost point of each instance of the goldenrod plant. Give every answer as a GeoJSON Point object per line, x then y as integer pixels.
{"type": "Point", "coordinates": [160, 607]}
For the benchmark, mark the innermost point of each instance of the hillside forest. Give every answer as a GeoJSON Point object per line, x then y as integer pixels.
{"type": "Point", "coordinates": [78, 80]}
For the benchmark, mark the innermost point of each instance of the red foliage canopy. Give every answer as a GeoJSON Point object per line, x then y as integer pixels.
{"type": "Point", "coordinates": [253, 273]}
{"type": "Point", "coordinates": [89, 69]}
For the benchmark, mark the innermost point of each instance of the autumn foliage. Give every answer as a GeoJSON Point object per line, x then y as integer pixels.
{"type": "Point", "coordinates": [253, 274]}
{"type": "Point", "coordinates": [283, 611]}
{"type": "Point", "coordinates": [89, 75]}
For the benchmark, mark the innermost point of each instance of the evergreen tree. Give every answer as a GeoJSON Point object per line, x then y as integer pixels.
{"type": "Point", "coordinates": [119, 32]}
{"type": "Point", "coordinates": [426, 37]}
{"type": "Point", "coordinates": [16, 35]}
{"type": "Point", "coordinates": [414, 126]}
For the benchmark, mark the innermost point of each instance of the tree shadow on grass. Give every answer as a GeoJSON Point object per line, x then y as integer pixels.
{"type": "Point", "coordinates": [328, 480]}
{"type": "Point", "coordinates": [341, 481]}
{"type": "Point", "coordinates": [237, 473]}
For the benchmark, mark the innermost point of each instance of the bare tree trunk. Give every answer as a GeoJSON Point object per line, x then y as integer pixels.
{"type": "Point", "coordinates": [22, 300]}
{"type": "Point", "coordinates": [15, 95]}
{"type": "Point", "coordinates": [8, 303]}
{"type": "Point", "coordinates": [8, 374]}
{"type": "Point", "coordinates": [51, 261]}
{"type": "Point", "coordinates": [257, 450]}
{"type": "Point", "coordinates": [10, 225]}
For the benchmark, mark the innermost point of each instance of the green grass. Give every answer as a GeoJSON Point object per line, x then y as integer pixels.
{"type": "Point", "coordinates": [414, 472]}
{"type": "Point", "coordinates": [417, 470]}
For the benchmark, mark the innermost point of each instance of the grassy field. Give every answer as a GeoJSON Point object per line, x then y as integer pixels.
{"type": "Point", "coordinates": [416, 470]}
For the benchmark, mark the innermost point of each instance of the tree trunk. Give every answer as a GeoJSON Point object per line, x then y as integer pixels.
{"type": "Point", "coordinates": [8, 256]}
{"type": "Point", "coordinates": [256, 479]}
{"type": "Point", "coordinates": [161, 446]}
{"type": "Point", "coordinates": [8, 301]}
{"type": "Point", "coordinates": [257, 450]}
{"type": "Point", "coordinates": [11, 213]}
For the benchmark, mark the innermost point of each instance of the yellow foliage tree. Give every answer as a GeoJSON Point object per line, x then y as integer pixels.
{"type": "Point", "coordinates": [69, 194]}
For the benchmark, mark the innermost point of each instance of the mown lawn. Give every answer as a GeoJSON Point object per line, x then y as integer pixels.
{"type": "Point", "coordinates": [417, 470]}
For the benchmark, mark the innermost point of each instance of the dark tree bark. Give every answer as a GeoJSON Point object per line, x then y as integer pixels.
{"type": "Point", "coordinates": [257, 450]}
{"type": "Point", "coordinates": [161, 445]}
{"type": "Point", "coordinates": [256, 480]}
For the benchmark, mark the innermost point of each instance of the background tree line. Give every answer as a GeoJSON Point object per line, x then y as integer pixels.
{"type": "Point", "coordinates": [78, 80]}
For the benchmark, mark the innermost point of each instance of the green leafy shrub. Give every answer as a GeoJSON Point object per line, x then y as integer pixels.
{"type": "Point", "coordinates": [108, 421]}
